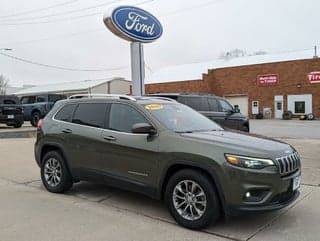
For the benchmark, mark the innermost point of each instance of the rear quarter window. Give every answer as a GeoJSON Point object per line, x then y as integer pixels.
{"type": "Point", "coordinates": [9, 100]}
{"type": "Point", "coordinates": [65, 113]}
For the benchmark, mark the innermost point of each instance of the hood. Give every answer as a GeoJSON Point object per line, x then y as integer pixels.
{"type": "Point", "coordinates": [237, 116]}
{"type": "Point", "coordinates": [244, 142]}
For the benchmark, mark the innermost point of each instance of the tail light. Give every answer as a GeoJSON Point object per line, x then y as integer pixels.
{"type": "Point", "coordinates": [40, 123]}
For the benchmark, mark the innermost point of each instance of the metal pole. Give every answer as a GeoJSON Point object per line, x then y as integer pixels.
{"type": "Point", "coordinates": [137, 68]}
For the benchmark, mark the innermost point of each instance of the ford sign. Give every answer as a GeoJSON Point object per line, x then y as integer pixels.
{"type": "Point", "coordinates": [133, 24]}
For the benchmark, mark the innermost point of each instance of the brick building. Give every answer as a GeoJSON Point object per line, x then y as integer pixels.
{"type": "Point", "coordinates": [267, 84]}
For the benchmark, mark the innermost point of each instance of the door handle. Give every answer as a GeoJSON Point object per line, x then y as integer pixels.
{"type": "Point", "coordinates": [109, 138]}
{"type": "Point", "coordinates": [67, 131]}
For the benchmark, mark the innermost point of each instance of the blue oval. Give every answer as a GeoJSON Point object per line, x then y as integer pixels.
{"type": "Point", "coordinates": [136, 23]}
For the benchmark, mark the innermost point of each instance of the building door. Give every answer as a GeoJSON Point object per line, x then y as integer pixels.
{"type": "Point", "coordinates": [278, 106]}
{"type": "Point", "coordinates": [241, 101]}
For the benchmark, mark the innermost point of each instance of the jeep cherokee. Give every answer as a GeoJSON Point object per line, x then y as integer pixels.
{"type": "Point", "coordinates": [166, 150]}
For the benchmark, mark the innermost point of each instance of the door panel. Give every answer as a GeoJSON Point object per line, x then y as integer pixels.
{"type": "Point", "coordinates": [130, 156]}
{"type": "Point", "coordinates": [84, 136]}
{"type": "Point", "coordinates": [127, 155]}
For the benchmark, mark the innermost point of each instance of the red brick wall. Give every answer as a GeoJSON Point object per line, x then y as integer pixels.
{"type": "Point", "coordinates": [190, 86]}
{"type": "Point", "coordinates": [242, 80]}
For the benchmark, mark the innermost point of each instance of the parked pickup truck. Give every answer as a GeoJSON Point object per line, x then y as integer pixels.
{"type": "Point", "coordinates": [37, 106]}
{"type": "Point", "coordinates": [11, 112]}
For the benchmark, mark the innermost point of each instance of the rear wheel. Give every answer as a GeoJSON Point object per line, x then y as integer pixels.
{"type": "Point", "coordinates": [18, 124]}
{"type": "Point", "coordinates": [55, 175]}
{"type": "Point", "coordinates": [35, 117]}
{"type": "Point", "coordinates": [192, 199]}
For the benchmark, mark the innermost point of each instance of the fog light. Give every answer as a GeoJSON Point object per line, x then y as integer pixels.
{"type": "Point", "coordinates": [255, 195]}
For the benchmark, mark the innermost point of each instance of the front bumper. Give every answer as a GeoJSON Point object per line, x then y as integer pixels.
{"type": "Point", "coordinates": [269, 190]}
{"type": "Point", "coordinates": [276, 205]}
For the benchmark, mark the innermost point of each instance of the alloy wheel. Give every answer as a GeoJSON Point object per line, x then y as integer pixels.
{"type": "Point", "coordinates": [53, 172]}
{"type": "Point", "coordinates": [189, 200]}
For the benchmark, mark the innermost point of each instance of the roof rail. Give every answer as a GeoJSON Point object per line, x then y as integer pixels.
{"type": "Point", "coordinates": [114, 96]}
{"type": "Point", "coordinates": [159, 98]}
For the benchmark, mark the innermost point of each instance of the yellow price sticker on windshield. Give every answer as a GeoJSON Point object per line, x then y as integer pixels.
{"type": "Point", "coordinates": [154, 107]}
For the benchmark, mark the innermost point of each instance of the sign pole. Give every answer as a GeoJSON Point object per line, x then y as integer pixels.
{"type": "Point", "coordinates": [137, 68]}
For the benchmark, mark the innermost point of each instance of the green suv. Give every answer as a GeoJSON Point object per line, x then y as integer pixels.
{"type": "Point", "coordinates": [166, 150]}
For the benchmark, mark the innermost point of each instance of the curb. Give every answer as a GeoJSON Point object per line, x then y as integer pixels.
{"type": "Point", "coordinates": [18, 134]}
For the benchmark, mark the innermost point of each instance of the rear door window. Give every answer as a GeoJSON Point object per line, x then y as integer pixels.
{"type": "Point", "coordinates": [90, 114]}
{"type": "Point", "coordinates": [40, 98]}
{"type": "Point", "coordinates": [9, 101]}
{"type": "Point", "coordinates": [197, 103]}
{"type": "Point", "coordinates": [213, 104]}
{"type": "Point", "coordinates": [123, 117]}
{"type": "Point", "coordinates": [65, 113]}
{"type": "Point", "coordinates": [55, 98]}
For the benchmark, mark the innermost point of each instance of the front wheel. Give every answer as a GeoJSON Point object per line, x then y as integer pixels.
{"type": "Point", "coordinates": [192, 200]}
{"type": "Point", "coordinates": [35, 117]}
{"type": "Point", "coordinates": [245, 128]}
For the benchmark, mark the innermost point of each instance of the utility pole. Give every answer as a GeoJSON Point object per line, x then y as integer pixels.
{"type": "Point", "coordinates": [315, 52]}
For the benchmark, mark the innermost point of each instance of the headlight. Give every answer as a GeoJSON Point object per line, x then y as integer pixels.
{"type": "Point", "coordinates": [248, 162]}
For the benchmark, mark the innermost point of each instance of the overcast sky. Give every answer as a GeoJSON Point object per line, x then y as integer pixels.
{"type": "Point", "coordinates": [194, 31]}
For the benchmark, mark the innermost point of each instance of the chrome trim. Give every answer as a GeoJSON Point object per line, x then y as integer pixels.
{"type": "Point", "coordinates": [138, 173]}
{"type": "Point", "coordinates": [102, 129]}
{"type": "Point", "coordinates": [80, 96]}
{"type": "Point", "coordinates": [288, 164]}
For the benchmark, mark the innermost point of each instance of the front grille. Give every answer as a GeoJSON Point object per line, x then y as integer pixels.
{"type": "Point", "coordinates": [288, 164]}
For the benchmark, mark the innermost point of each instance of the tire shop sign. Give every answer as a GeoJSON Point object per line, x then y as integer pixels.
{"type": "Point", "coordinates": [313, 77]}
{"type": "Point", "coordinates": [133, 24]}
{"type": "Point", "coordinates": [267, 79]}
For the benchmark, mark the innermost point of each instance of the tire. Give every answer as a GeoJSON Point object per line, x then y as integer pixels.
{"type": "Point", "coordinates": [287, 115]}
{"type": "Point", "coordinates": [18, 124]}
{"type": "Point", "coordinates": [245, 128]}
{"type": "Point", "coordinates": [310, 116]}
{"type": "Point", "coordinates": [35, 117]}
{"type": "Point", "coordinates": [59, 182]}
{"type": "Point", "coordinates": [208, 204]}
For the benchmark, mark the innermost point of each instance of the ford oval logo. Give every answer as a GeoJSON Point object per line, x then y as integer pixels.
{"type": "Point", "coordinates": [133, 24]}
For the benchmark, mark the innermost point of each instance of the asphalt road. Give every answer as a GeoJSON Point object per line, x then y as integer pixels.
{"type": "Point", "coordinates": [96, 212]}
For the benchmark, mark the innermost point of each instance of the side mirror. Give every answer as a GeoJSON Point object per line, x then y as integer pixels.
{"type": "Point", "coordinates": [236, 109]}
{"type": "Point", "coordinates": [143, 128]}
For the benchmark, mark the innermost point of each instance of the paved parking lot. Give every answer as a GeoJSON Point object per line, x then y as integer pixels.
{"type": "Point", "coordinates": [96, 212]}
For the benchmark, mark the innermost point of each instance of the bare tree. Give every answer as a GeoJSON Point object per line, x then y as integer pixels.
{"type": "Point", "coordinates": [236, 53]}
{"type": "Point", "coordinates": [4, 82]}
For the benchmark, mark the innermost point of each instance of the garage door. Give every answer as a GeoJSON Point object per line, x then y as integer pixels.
{"type": "Point", "coordinates": [241, 101]}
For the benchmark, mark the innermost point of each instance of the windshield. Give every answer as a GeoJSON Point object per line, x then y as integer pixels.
{"type": "Point", "coordinates": [181, 118]}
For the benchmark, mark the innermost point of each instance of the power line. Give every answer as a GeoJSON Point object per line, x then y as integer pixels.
{"type": "Point", "coordinates": [64, 13]}
{"type": "Point", "coordinates": [52, 21]}
{"type": "Point", "coordinates": [191, 8]}
{"type": "Point", "coordinates": [53, 37]}
{"type": "Point", "coordinates": [61, 67]}
{"type": "Point", "coordinates": [38, 9]}
{"type": "Point", "coordinates": [6, 23]}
